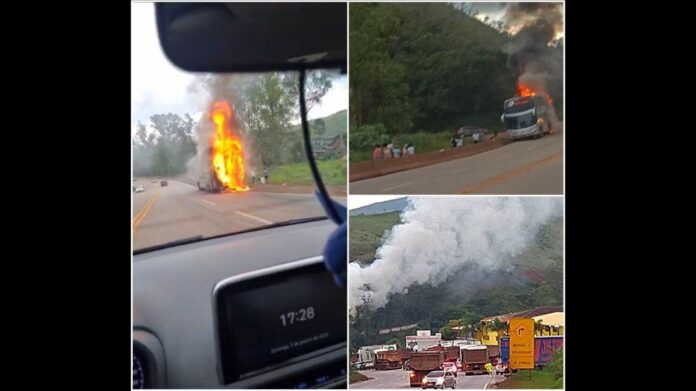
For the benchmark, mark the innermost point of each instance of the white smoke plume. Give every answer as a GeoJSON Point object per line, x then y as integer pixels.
{"type": "Point", "coordinates": [438, 236]}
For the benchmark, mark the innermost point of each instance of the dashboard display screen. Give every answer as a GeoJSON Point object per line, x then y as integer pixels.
{"type": "Point", "coordinates": [268, 320]}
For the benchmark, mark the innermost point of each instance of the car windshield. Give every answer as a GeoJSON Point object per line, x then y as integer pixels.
{"type": "Point", "coordinates": [222, 153]}
{"type": "Point", "coordinates": [520, 121]}
{"type": "Point", "coordinates": [436, 374]}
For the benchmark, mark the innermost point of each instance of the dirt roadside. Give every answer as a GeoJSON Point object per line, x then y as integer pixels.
{"type": "Point", "coordinates": [373, 168]}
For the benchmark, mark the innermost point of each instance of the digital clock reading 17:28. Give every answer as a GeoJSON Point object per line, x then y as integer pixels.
{"type": "Point", "coordinates": [303, 315]}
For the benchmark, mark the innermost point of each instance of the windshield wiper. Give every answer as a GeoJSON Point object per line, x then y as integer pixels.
{"type": "Point", "coordinates": [169, 244]}
{"type": "Point", "coordinates": [294, 221]}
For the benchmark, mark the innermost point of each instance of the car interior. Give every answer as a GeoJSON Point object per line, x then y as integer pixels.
{"type": "Point", "coordinates": [256, 308]}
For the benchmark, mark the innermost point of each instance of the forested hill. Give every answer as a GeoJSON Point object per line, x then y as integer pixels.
{"type": "Point", "coordinates": [425, 67]}
{"type": "Point", "coordinates": [532, 279]}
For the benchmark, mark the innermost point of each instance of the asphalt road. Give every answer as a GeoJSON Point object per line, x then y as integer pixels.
{"type": "Point", "coordinates": [179, 211]}
{"type": "Point", "coordinates": [398, 378]}
{"type": "Point", "coordinates": [522, 167]}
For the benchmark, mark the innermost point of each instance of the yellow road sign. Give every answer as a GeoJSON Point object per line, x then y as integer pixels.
{"type": "Point", "coordinates": [521, 343]}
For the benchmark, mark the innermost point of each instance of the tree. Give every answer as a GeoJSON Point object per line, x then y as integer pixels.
{"type": "Point", "coordinates": [448, 330]}
{"type": "Point", "coordinates": [399, 342]}
{"type": "Point", "coordinates": [317, 84]}
{"type": "Point", "coordinates": [165, 150]}
{"type": "Point", "coordinates": [426, 67]}
{"type": "Point", "coordinates": [319, 127]}
{"type": "Point", "coordinates": [142, 138]}
{"type": "Point", "coordinates": [538, 327]}
{"type": "Point", "coordinates": [499, 327]}
{"type": "Point", "coordinates": [265, 105]}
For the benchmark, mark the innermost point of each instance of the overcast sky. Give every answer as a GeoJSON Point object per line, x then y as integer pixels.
{"type": "Point", "coordinates": [496, 12]}
{"type": "Point", "coordinates": [358, 201]}
{"type": "Point", "coordinates": [157, 86]}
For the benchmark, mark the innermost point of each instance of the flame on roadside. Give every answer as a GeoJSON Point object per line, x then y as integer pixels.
{"type": "Point", "coordinates": [226, 157]}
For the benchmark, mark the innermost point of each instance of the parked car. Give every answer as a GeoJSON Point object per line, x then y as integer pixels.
{"type": "Point", "coordinates": [439, 379]}
{"type": "Point", "coordinates": [164, 183]}
{"type": "Point", "coordinates": [138, 189]}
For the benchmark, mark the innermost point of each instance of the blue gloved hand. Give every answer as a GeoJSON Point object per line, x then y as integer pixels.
{"type": "Point", "coordinates": [335, 254]}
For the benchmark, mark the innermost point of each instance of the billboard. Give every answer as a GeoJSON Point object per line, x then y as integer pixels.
{"type": "Point", "coordinates": [544, 347]}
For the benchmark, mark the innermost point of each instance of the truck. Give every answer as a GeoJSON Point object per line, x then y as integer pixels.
{"type": "Point", "coordinates": [544, 347]}
{"type": "Point", "coordinates": [527, 116]}
{"type": "Point", "coordinates": [474, 358]}
{"type": "Point", "coordinates": [451, 356]}
{"type": "Point", "coordinates": [367, 355]}
{"type": "Point", "coordinates": [451, 352]}
{"type": "Point", "coordinates": [388, 359]}
{"type": "Point", "coordinates": [422, 363]}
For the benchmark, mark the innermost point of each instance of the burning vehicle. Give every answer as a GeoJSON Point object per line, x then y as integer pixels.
{"type": "Point", "coordinates": [528, 115]}
{"type": "Point", "coordinates": [537, 60]}
{"type": "Point", "coordinates": [225, 158]}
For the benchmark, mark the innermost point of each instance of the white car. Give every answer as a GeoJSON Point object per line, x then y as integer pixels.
{"type": "Point", "coordinates": [439, 379]}
{"type": "Point", "coordinates": [138, 189]}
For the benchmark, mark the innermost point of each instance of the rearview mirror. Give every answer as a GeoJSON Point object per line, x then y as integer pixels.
{"type": "Point", "coordinates": [250, 37]}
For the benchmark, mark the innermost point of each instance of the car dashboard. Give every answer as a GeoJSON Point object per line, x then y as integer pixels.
{"type": "Point", "coordinates": [248, 310]}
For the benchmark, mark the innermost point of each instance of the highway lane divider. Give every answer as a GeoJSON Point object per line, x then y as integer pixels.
{"type": "Point", "coordinates": [140, 216]}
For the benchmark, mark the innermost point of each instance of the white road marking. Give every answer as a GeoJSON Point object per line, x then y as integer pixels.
{"type": "Point", "coordinates": [208, 202]}
{"type": "Point", "coordinates": [253, 217]}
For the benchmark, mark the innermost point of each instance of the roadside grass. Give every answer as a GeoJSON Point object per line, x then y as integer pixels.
{"type": "Point", "coordinates": [333, 172]}
{"type": "Point", "coordinates": [540, 379]}
{"type": "Point", "coordinates": [551, 377]}
{"type": "Point", "coordinates": [422, 141]}
{"type": "Point", "coordinates": [356, 377]}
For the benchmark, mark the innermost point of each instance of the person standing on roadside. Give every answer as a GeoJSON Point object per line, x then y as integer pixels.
{"type": "Point", "coordinates": [378, 153]}
{"type": "Point", "coordinates": [489, 369]}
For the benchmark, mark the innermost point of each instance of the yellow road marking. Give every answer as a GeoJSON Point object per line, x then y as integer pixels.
{"type": "Point", "coordinates": [140, 216]}
{"type": "Point", "coordinates": [477, 187]}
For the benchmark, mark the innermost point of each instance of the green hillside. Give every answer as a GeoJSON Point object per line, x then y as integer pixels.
{"type": "Point", "coordinates": [333, 124]}
{"type": "Point", "coordinates": [336, 123]}
{"type": "Point", "coordinates": [534, 278]}
{"type": "Point", "coordinates": [367, 233]}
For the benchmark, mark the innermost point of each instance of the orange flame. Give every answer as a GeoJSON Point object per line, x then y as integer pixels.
{"type": "Point", "coordinates": [226, 149]}
{"type": "Point", "coordinates": [524, 90]}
